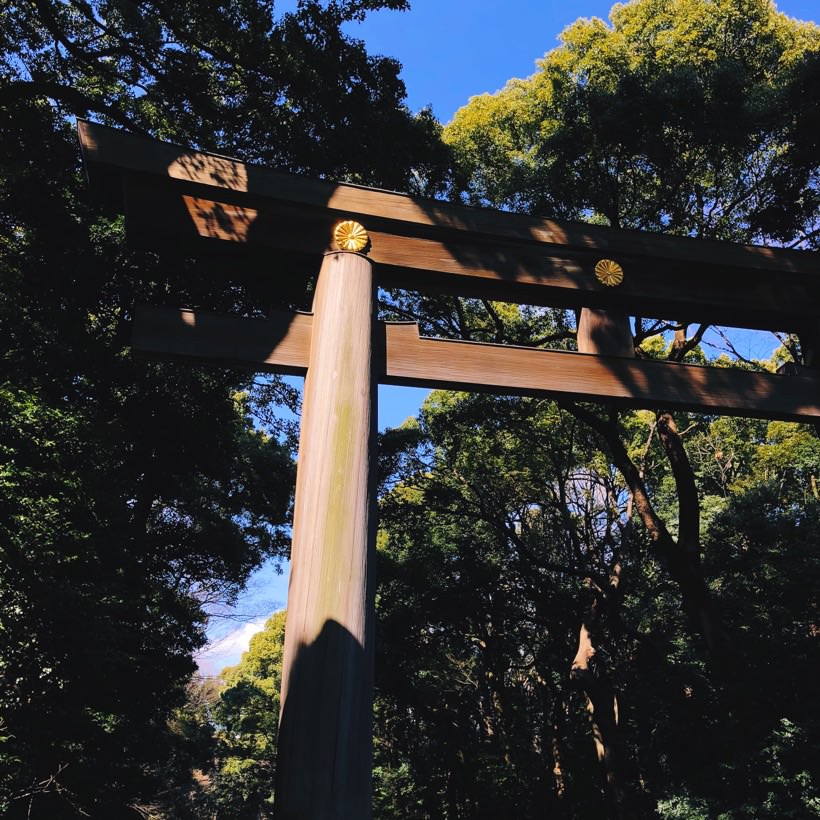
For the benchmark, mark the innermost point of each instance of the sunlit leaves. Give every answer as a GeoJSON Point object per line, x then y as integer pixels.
{"type": "Point", "coordinates": [679, 117]}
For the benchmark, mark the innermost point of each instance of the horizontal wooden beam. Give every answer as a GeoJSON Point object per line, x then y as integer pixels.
{"type": "Point", "coordinates": [507, 271]}
{"type": "Point", "coordinates": [422, 244]}
{"type": "Point", "coordinates": [282, 344]}
{"type": "Point", "coordinates": [628, 382]}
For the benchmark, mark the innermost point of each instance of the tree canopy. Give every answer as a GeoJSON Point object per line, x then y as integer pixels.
{"type": "Point", "coordinates": [134, 493]}
{"type": "Point", "coordinates": [691, 117]}
{"type": "Point", "coordinates": [534, 652]}
{"type": "Point", "coordinates": [685, 117]}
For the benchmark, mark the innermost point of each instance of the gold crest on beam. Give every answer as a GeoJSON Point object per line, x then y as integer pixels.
{"type": "Point", "coordinates": [350, 236]}
{"type": "Point", "coordinates": [609, 273]}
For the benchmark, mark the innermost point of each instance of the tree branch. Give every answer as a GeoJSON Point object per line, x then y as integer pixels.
{"type": "Point", "coordinates": [79, 103]}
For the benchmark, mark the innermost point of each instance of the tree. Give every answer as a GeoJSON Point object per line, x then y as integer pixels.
{"type": "Point", "coordinates": [289, 91]}
{"type": "Point", "coordinates": [627, 125]}
{"type": "Point", "coordinates": [514, 532]}
{"type": "Point", "coordinates": [578, 146]}
{"type": "Point", "coordinates": [227, 731]}
{"type": "Point", "coordinates": [687, 117]}
{"type": "Point", "coordinates": [134, 492]}
{"type": "Point", "coordinates": [519, 605]}
{"type": "Point", "coordinates": [247, 717]}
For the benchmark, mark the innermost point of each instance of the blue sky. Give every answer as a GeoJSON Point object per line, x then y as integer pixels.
{"type": "Point", "coordinates": [450, 50]}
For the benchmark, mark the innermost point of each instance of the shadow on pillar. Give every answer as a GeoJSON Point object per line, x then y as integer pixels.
{"type": "Point", "coordinates": [324, 756]}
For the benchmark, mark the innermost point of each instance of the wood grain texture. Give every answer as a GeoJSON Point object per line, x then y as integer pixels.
{"type": "Point", "coordinates": [282, 344]}
{"type": "Point", "coordinates": [605, 332]}
{"type": "Point", "coordinates": [325, 734]}
{"type": "Point", "coordinates": [105, 147]}
{"type": "Point", "coordinates": [579, 376]}
{"type": "Point", "coordinates": [504, 270]}
{"type": "Point", "coordinates": [429, 245]}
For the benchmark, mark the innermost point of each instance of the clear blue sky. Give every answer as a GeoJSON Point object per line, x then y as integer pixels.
{"type": "Point", "coordinates": [450, 50]}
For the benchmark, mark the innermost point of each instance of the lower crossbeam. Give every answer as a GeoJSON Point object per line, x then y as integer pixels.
{"type": "Point", "coordinates": [281, 344]}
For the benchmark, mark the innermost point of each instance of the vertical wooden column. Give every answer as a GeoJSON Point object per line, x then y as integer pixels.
{"type": "Point", "coordinates": [810, 343]}
{"type": "Point", "coordinates": [325, 734]}
{"type": "Point", "coordinates": [605, 332]}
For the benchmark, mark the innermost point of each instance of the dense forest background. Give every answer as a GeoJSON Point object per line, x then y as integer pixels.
{"type": "Point", "coordinates": [582, 612]}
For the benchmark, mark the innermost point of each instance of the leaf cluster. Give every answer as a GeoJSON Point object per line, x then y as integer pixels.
{"type": "Point", "coordinates": [690, 117]}
{"type": "Point", "coordinates": [135, 494]}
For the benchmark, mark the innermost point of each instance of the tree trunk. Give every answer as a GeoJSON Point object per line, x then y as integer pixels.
{"type": "Point", "coordinates": [684, 555]}
{"type": "Point", "coordinates": [602, 704]}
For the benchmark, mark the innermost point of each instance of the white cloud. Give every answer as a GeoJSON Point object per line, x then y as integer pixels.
{"type": "Point", "coordinates": [227, 649]}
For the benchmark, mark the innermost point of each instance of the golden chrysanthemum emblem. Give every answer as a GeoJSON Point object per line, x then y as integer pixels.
{"type": "Point", "coordinates": [350, 236]}
{"type": "Point", "coordinates": [609, 272]}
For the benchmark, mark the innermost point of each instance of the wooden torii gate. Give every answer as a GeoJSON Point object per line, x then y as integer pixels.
{"type": "Point", "coordinates": [207, 204]}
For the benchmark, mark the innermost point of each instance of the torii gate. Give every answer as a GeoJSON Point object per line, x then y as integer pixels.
{"type": "Point", "coordinates": [209, 204]}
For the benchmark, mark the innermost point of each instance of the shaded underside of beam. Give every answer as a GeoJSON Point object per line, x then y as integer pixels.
{"type": "Point", "coordinates": [197, 200]}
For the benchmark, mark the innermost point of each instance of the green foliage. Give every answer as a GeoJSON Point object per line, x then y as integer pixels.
{"type": "Point", "coordinates": [126, 505]}
{"type": "Point", "coordinates": [287, 90]}
{"type": "Point", "coordinates": [137, 494]}
{"type": "Point", "coordinates": [688, 117]}
{"type": "Point", "coordinates": [480, 596]}
{"type": "Point", "coordinates": [235, 737]}
{"type": "Point", "coordinates": [682, 808]}
{"type": "Point", "coordinates": [496, 534]}
{"type": "Point", "coordinates": [101, 589]}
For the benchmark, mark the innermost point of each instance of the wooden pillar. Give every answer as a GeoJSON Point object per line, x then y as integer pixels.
{"type": "Point", "coordinates": [810, 343]}
{"type": "Point", "coordinates": [325, 734]}
{"type": "Point", "coordinates": [605, 332]}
